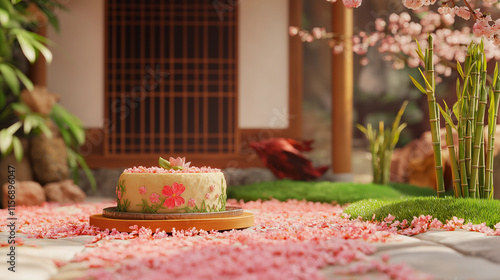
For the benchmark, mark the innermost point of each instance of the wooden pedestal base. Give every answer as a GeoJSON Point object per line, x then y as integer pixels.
{"type": "Point", "coordinates": [225, 223]}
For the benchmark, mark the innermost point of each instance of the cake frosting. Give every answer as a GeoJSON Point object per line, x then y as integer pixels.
{"type": "Point", "coordinates": [175, 187]}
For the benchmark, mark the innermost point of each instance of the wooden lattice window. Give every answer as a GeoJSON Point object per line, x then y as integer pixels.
{"type": "Point", "coordinates": [170, 77]}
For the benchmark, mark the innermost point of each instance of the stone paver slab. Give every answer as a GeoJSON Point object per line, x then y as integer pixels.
{"type": "Point", "coordinates": [401, 241]}
{"type": "Point", "coordinates": [50, 248]}
{"type": "Point", "coordinates": [28, 267]}
{"type": "Point", "coordinates": [467, 243]}
{"type": "Point", "coordinates": [444, 263]}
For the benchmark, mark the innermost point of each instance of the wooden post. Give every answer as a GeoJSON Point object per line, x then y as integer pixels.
{"type": "Point", "coordinates": [37, 71]}
{"type": "Point", "coordinates": [342, 88]}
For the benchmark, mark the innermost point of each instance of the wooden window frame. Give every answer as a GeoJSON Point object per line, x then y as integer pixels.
{"type": "Point", "coordinates": [94, 151]}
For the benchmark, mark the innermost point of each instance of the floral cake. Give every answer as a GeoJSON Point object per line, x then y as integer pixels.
{"type": "Point", "coordinates": [174, 187]}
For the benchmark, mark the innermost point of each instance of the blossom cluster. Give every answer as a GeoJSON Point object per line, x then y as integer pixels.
{"type": "Point", "coordinates": [155, 169]}
{"type": "Point", "coordinates": [395, 37]}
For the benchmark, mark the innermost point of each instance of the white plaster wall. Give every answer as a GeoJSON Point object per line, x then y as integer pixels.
{"type": "Point", "coordinates": [77, 71]}
{"type": "Point", "coordinates": [263, 64]}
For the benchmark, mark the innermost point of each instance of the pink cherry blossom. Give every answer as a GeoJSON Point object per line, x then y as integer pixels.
{"type": "Point", "coordinates": [154, 198]}
{"type": "Point", "coordinates": [142, 190]}
{"type": "Point", "coordinates": [173, 195]}
{"type": "Point", "coordinates": [413, 4]}
{"type": "Point", "coordinates": [352, 3]}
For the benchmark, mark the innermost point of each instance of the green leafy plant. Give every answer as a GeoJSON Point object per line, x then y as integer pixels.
{"type": "Point", "coordinates": [16, 118]}
{"type": "Point", "coordinates": [382, 143]}
{"type": "Point", "coordinates": [472, 166]}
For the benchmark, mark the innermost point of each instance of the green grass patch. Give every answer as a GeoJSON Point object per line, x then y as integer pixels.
{"type": "Point", "coordinates": [471, 210]}
{"type": "Point", "coordinates": [340, 192]}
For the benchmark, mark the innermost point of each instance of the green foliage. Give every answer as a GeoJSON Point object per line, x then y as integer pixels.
{"type": "Point", "coordinates": [471, 210]}
{"type": "Point", "coordinates": [340, 192]}
{"type": "Point", "coordinates": [382, 145]}
{"type": "Point", "coordinates": [16, 25]}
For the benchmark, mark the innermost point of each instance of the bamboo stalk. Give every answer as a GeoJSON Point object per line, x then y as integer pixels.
{"type": "Point", "coordinates": [454, 164]}
{"type": "Point", "coordinates": [492, 123]}
{"type": "Point", "coordinates": [478, 137]}
{"type": "Point", "coordinates": [434, 117]}
{"type": "Point", "coordinates": [482, 174]}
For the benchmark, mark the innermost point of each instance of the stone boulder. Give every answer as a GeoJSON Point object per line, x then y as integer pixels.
{"type": "Point", "coordinates": [64, 192]}
{"type": "Point", "coordinates": [28, 193]}
{"type": "Point", "coordinates": [23, 170]}
{"type": "Point", "coordinates": [40, 100]}
{"type": "Point", "coordinates": [245, 176]}
{"type": "Point", "coordinates": [414, 163]}
{"type": "Point", "coordinates": [49, 159]}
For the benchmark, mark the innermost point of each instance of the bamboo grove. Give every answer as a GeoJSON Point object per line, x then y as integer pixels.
{"type": "Point", "coordinates": [382, 144]}
{"type": "Point", "coordinates": [472, 161]}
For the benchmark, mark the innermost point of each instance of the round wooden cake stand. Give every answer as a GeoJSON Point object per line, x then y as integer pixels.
{"type": "Point", "coordinates": [208, 223]}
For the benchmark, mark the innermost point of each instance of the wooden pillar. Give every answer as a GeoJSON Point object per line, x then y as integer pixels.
{"type": "Point", "coordinates": [342, 88]}
{"type": "Point", "coordinates": [37, 71]}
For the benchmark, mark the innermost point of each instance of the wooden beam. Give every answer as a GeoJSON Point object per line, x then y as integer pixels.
{"type": "Point", "coordinates": [342, 88]}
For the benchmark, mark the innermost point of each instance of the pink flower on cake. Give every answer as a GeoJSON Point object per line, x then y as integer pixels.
{"type": "Point", "coordinates": [142, 190]}
{"type": "Point", "coordinates": [207, 196]}
{"type": "Point", "coordinates": [119, 194]}
{"type": "Point", "coordinates": [217, 196]}
{"type": "Point", "coordinates": [191, 202]}
{"type": "Point", "coordinates": [179, 162]}
{"type": "Point", "coordinates": [154, 198]}
{"type": "Point", "coordinates": [212, 188]}
{"type": "Point", "coordinates": [173, 195]}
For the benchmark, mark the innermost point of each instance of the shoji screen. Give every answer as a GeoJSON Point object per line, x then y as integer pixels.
{"type": "Point", "coordinates": [170, 77]}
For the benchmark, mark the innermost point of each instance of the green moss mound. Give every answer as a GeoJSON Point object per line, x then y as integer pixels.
{"type": "Point", "coordinates": [340, 192]}
{"type": "Point", "coordinates": [471, 210]}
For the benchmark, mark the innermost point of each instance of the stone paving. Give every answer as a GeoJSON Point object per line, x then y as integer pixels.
{"type": "Point", "coordinates": [446, 255]}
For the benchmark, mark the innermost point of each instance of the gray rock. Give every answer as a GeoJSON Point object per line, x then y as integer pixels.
{"type": "Point", "coordinates": [64, 192]}
{"type": "Point", "coordinates": [22, 170]}
{"type": "Point", "coordinates": [49, 159]}
{"type": "Point", "coordinates": [106, 182]}
{"type": "Point", "coordinates": [246, 176]}
{"type": "Point", "coordinates": [27, 193]}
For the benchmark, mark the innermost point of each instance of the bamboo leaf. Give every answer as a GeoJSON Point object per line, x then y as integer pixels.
{"type": "Point", "coordinates": [18, 148]}
{"type": "Point", "coordinates": [29, 123]}
{"type": "Point", "coordinates": [26, 81]}
{"type": "Point", "coordinates": [419, 51]}
{"type": "Point", "coordinates": [425, 79]}
{"type": "Point", "coordinates": [5, 141]}
{"type": "Point", "coordinates": [43, 49]}
{"type": "Point", "coordinates": [361, 128]}
{"type": "Point", "coordinates": [20, 108]}
{"type": "Point", "coordinates": [456, 110]}
{"type": "Point", "coordinates": [86, 170]}
{"type": "Point", "coordinates": [4, 17]}
{"type": "Point", "coordinates": [460, 71]}
{"type": "Point", "coordinates": [495, 75]}
{"type": "Point", "coordinates": [419, 87]}
{"type": "Point", "coordinates": [45, 129]}
{"type": "Point", "coordinates": [13, 128]}
{"type": "Point", "coordinates": [447, 117]}
{"type": "Point", "coordinates": [27, 48]}
{"type": "Point", "coordinates": [10, 77]}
